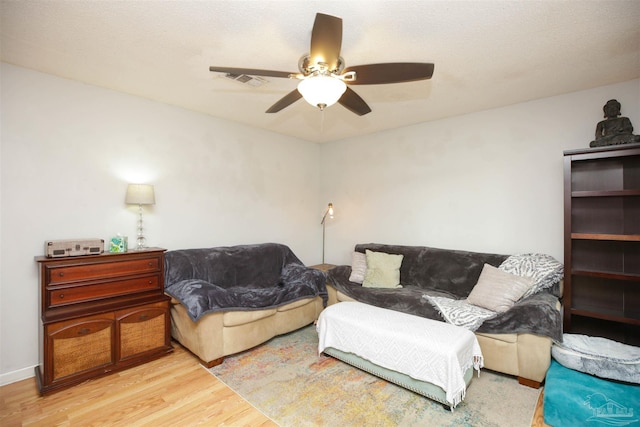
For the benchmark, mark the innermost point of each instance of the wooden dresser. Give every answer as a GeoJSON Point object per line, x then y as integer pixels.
{"type": "Point", "coordinates": [101, 314]}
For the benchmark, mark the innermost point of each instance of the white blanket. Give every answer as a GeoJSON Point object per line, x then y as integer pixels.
{"type": "Point", "coordinates": [424, 349]}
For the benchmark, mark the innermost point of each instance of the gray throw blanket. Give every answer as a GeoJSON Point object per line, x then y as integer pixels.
{"type": "Point", "coordinates": [543, 270]}
{"type": "Point", "coordinates": [239, 278]}
{"type": "Point", "coordinates": [433, 272]}
{"type": "Point", "coordinates": [536, 314]}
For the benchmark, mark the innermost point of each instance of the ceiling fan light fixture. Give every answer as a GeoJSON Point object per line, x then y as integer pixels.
{"type": "Point", "coordinates": [323, 76]}
{"type": "Point", "coordinates": [321, 90]}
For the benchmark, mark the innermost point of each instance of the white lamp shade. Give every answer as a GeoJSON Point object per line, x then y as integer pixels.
{"type": "Point", "coordinates": [140, 194]}
{"type": "Point", "coordinates": [321, 91]}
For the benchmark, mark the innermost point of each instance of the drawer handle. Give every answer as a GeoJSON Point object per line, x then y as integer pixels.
{"type": "Point", "coordinates": [83, 331]}
{"type": "Point", "coordinates": [150, 281]}
{"type": "Point", "coordinates": [61, 296]}
{"type": "Point", "coordinates": [61, 274]}
{"type": "Point", "coordinates": [143, 317]}
{"type": "Point", "coordinates": [150, 264]}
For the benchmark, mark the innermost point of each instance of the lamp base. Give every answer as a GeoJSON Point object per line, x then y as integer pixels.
{"type": "Point", "coordinates": [141, 240]}
{"type": "Point", "coordinates": [141, 243]}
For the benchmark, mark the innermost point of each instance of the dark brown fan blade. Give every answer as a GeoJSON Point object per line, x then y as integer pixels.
{"type": "Point", "coordinates": [287, 100]}
{"type": "Point", "coordinates": [251, 72]}
{"type": "Point", "coordinates": [326, 40]}
{"type": "Point", "coordinates": [352, 101]}
{"type": "Point", "coordinates": [398, 72]}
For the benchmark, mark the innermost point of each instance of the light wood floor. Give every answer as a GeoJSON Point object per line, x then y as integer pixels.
{"type": "Point", "coordinates": [174, 390]}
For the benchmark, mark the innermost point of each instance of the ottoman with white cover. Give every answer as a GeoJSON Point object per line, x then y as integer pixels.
{"type": "Point", "coordinates": [432, 358]}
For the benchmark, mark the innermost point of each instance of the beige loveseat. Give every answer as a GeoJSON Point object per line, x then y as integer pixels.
{"type": "Point", "coordinates": [222, 333]}
{"type": "Point", "coordinates": [526, 355]}
{"type": "Point", "coordinates": [229, 299]}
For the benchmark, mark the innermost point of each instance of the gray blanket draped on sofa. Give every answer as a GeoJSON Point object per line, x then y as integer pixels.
{"type": "Point", "coordinates": [239, 278]}
{"type": "Point", "coordinates": [451, 274]}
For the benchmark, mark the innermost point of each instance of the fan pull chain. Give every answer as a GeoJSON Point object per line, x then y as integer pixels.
{"type": "Point", "coordinates": [322, 121]}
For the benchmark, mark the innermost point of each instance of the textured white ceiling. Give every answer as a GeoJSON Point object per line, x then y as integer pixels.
{"type": "Point", "coordinates": [487, 53]}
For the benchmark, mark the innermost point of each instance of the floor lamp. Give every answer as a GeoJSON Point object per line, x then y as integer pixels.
{"type": "Point", "coordinates": [329, 212]}
{"type": "Point", "coordinates": [140, 194]}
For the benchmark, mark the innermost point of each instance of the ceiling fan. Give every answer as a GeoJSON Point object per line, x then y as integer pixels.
{"type": "Point", "coordinates": [324, 78]}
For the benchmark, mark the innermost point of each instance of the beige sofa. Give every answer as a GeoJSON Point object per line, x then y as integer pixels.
{"type": "Point", "coordinates": [225, 300]}
{"type": "Point", "coordinates": [524, 355]}
{"type": "Point", "coordinates": [222, 333]}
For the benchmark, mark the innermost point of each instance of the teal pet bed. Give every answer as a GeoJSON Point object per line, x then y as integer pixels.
{"type": "Point", "coordinates": [573, 398]}
{"type": "Point", "coordinates": [592, 381]}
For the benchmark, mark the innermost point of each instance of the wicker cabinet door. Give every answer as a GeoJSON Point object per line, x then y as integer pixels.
{"type": "Point", "coordinates": [142, 329]}
{"type": "Point", "coordinates": [79, 347]}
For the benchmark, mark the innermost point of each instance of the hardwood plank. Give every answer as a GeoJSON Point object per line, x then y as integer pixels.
{"type": "Point", "coordinates": [538, 416]}
{"type": "Point", "coordinates": [173, 390]}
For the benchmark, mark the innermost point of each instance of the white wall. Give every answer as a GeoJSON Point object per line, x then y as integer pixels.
{"type": "Point", "coordinates": [489, 182]}
{"type": "Point", "coordinates": [68, 151]}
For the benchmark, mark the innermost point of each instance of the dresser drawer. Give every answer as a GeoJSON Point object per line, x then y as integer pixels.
{"type": "Point", "coordinates": [72, 273]}
{"type": "Point", "coordinates": [60, 295]}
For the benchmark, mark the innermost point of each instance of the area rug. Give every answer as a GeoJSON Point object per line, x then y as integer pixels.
{"type": "Point", "coordinates": [289, 382]}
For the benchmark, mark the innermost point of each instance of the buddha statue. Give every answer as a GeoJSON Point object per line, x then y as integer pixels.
{"type": "Point", "coordinates": [614, 130]}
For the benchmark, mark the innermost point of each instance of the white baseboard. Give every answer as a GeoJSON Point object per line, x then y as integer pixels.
{"type": "Point", "coordinates": [19, 375]}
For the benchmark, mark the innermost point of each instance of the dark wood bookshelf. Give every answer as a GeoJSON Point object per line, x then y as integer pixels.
{"type": "Point", "coordinates": [602, 242]}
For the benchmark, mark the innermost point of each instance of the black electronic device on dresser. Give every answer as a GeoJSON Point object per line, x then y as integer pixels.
{"type": "Point", "coordinates": [101, 314]}
{"type": "Point", "coordinates": [602, 242]}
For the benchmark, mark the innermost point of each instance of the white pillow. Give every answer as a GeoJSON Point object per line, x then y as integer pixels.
{"type": "Point", "coordinates": [383, 270]}
{"type": "Point", "coordinates": [358, 267]}
{"type": "Point", "coordinates": [498, 290]}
